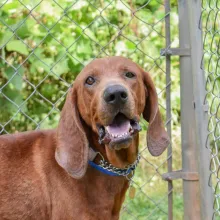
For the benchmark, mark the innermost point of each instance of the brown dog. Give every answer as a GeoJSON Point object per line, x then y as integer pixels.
{"type": "Point", "coordinates": [45, 174]}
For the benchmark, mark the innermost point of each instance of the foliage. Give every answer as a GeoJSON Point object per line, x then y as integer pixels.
{"type": "Point", "coordinates": [45, 44]}
{"type": "Point", "coordinates": [57, 39]}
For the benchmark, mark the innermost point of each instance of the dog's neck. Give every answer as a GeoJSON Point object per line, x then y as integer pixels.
{"type": "Point", "coordinates": [112, 187]}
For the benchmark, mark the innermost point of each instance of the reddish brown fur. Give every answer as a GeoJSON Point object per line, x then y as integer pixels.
{"type": "Point", "coordinates": [45, 174]}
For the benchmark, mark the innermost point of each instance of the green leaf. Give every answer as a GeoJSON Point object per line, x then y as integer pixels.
{"type": "Point", "coordinates": [40, 66]}
{"type": "Point", "coordinates": [5, 36]}
{"type": "Point", "coordinates": [13, 95]}
{"type": "Point", "coordinates": [23, 31]}
{"type": "Point", "coordinates": [19, 99]}
{"type": "Point", "coordinates": [18, 46]}
{"type": "Point", "coordinates": [6, 109]}
{"type": "Point", "coordinates": [48, 90]}
{"type": "Point", "coordinates": [84, 47]}
{"type": "Point", "coordinates": [61, 67]}
{"type": "Point", "coordinates": [16, 81]}
{"type": "Point", "coordinates": [130, 45]}
{"type": "Point", "coordinates": [8, 73]}
{"type": "Point", "coordinates": [10, 6]}
{"type": "Point", "coordinates": [39, 52]}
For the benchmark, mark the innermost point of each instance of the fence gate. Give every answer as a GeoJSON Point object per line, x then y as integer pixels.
{"type": "Point", "coordinates": [44, 44]}
{"type": "Point", "coordinates": [199, 24]}
{"type": "Point", "coordinates": [199, 43]}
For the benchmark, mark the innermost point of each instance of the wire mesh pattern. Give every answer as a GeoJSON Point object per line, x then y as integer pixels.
{"type": "Point", "coordinates": [45, 44]}
{"type": "Point", "coordinates": [210, 24]}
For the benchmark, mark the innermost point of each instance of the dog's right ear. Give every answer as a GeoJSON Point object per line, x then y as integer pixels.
{"type": "Point", "coordinates": [157, 137]}
{"type": "Point", "coordinates": [72, 149]}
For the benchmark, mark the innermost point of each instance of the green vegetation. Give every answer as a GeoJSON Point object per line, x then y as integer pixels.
{"type": "Point", "coordinates": [43, 50]}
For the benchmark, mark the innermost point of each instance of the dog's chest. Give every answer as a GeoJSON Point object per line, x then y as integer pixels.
{"type": "Point", "coordinates": [91, 200]}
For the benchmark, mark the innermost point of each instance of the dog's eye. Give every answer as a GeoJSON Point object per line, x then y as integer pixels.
{"type": "Point", "coordinates": [129, 74]}
{"type": "Point", "coordinates": [90, 80]}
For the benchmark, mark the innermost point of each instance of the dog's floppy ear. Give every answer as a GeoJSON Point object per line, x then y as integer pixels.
{"type": "Point", "coordinates": [157, 137]}
{"type": "Point", "coordinates": [72, 149]}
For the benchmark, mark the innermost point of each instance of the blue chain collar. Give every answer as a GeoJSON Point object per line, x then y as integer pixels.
{"type": "Point", "coordinates": [109, 169]}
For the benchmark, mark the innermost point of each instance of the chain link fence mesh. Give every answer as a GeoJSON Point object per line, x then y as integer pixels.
{"type": "Point", "coordinates": [210, 24]}
{"type": "Point", "coordinates": [45, 44]}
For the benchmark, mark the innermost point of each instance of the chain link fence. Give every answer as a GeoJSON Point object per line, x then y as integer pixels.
{"type": "Point", "coordinates": [210, 24]}
{"type": "Point", "coordinates": [45, 44]}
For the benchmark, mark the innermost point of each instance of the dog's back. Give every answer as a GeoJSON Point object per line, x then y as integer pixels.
{"type": "Point", "coordinates": [23, 187]}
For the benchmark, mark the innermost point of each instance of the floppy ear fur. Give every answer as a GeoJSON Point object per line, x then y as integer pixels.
{"type": "Point", "coordinates": [72, 150]}
{"type": "Point", "coordinates": [157, 137]}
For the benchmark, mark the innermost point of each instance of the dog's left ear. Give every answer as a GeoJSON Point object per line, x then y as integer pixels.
{"type": "Point", "coordinates": [72, 148]}
{"type": "Point", "coordinates": [157, 137]}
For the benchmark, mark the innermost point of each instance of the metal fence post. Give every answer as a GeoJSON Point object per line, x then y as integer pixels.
{"type": "Point", "coordinates": [188, 124]}
{"type": "Point", "coordinates": [168, 110]}
{"type": "Point", "coordinates": [197, 196]}
{"type": "Point", "coordinates": [206, 195]}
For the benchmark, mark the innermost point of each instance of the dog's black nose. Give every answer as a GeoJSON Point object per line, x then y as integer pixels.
{"type": "Point", "coordinates": [115, 94]}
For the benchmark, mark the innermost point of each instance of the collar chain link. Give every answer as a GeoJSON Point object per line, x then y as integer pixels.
{"type": "Point", "coordinates": [122, 172]}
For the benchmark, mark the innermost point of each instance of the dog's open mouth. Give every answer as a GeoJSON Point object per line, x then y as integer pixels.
{"type": "Point", "coordinates": [119, 131]}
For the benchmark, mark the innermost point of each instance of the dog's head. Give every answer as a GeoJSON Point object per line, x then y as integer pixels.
{"type": "Point", "coordinates": [107, 99]}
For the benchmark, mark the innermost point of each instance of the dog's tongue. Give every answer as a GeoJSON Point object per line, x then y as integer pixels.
{"type": "Point", "coordinates": [119, 126]}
